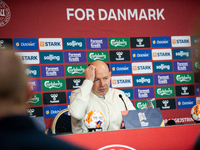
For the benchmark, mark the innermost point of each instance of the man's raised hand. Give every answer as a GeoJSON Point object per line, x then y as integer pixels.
{"type": "Point", "coordinates": [90, 73]}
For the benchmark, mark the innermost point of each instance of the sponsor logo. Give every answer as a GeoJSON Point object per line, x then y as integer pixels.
{"type": "Point", "coordinates": [53, 84]}
{"type": "Point", "coordinates": [141, 104]}
{"type": "Point", "coordinates": [162, 66]}
{"type": "Point", "coordinates": [68, 96]}
{"type": "Point", "coordinates": [35, 99]}
{"type": "Point", "coordinates": [35, 85]}
{"type": "Point", "coordinates": [143, 119]}
{"type": "Point", "coordinates": [75, 70]}
{"type": "Point", "coordinates": [51, 57]}
{"type": "Point", "coordinates": [97, 55]}
{"type": "Point", "coordinates": [197, 77]}
{"type": "Point", "coordinates": [128, 93]}
{"type": "Point", "coordinates": [185, 90]}
{"type": "Point", "coordinates": [181, 53]}
{"type": "Point", "coordinates": [50, 43]}
{"type": "Point", "coordinates": [118, 43]}
{"type": "Point", "coordinates": [161, 41]}
{"type": "Point", "coordinates": [26, 44]}
{"type": "Point", "coordinates": [123, 55]}
{"type": "Point", "coordinates": [74, 43]}
{"type": "Point", "coordinates": [143, 67]}
{"type": "Point", "coordinates": [181, 41]}
{"type": "Point", "coordinates": [163, 79]}
{"type": "Point", "coordinates": [181, 78]}
{"type": "Point", "coordinates": [138, 55]}
{"type": "Point", "coordinates": [52, 71]}
{"type": "Point", "coordinates": [165, 91]}
{"type": "Point", "coordinates": [35, 112]}
{"type": "Point", "coordinates": [188, 102]}
{"type": "Point", "coordinates": [75, 57]}
{"type": "Point", "coordinates": [161, 54]}
{"type": "Point", "coordinates": [54, 98]}
{"type": "Point", "coordinates": [195, 40]}
{"type": "Point", "coordinates": [33, 71]}
{"type": "Point", "coordinates": [5, 14]}
{"type": "Point", "coordinates": [165, 104]}
{"type": "Point", "coordinates": [119, 54]}
{"type": "Point", "coordinates": [183, 66]}
{"type": "Point", "coordinates": [143, 93]}
{"type": "Point", "coordinates": [74, 83]}
{"type": "Point", "coordinates": [6, 44]}
{"type": "Point", "coordinates": [143, 80]}
{"type": "Point", "coordinates": [96, 43]}
{"type": "Point", "coordinates": [28, 57]}
{"type": "Point", "coordinates": [140, 42]}
{"type": "Point", "coordinates": [121, 68]}
{"type": "Point", "coordinates": [121, 81]}
{"type": "Point", "coordinates": [51, 111]}
{"type": "Point", "coordinates": [180, 120]}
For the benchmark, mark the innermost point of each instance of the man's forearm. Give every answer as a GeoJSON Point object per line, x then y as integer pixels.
{"type": "Point", "coordinates": [79, 100]}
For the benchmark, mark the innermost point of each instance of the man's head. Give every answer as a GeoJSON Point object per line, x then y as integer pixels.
{"type": "Point", "coordinates": [13, 81]}
{"type": "Point", "coordinates": [102, 78]}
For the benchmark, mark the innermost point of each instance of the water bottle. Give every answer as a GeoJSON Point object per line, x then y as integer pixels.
{"type": "Point", "coordinates": [150, 103]}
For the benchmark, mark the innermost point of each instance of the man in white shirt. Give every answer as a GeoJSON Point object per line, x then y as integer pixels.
{"type": "Point", "coordinates": [95, 94]}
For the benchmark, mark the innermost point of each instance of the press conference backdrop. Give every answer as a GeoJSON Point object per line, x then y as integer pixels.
{"type": "Point", "coordinates": [149, 46]}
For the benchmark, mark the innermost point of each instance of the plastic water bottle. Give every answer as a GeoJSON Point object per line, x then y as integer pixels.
{"type": "Point", "coordinates": [150, 103]}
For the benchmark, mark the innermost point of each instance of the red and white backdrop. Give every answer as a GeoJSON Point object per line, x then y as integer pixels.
{"type": "Point", "coordinates": [149, 46]}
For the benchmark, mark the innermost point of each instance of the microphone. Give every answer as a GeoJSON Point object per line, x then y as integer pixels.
{"type": "Point", "coordinates": [120, 96]}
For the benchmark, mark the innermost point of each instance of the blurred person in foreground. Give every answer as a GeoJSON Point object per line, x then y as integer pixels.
{"type": "Point", "coordinates": [95, 94]}
{"type": "Point", "coordinates": [17, 131]}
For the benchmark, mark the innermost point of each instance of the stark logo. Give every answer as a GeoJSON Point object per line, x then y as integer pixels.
{"type": "Point", "coordinates": [5, 14]}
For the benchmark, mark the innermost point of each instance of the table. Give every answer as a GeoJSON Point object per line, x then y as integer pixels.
{"type": "Point", "coordinates": [169, 137]}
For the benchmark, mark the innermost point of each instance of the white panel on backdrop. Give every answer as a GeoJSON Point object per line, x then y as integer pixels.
{"type": "Point", "coordinates": [29, 57]}
{"type": "Point", "coordinates": [142, 67]}
{"type": "Point", "coordinates": [122, 81]}
{"type": "Point", "coordinates": [181, 41]}
{"type": "Point", "coordinates": [161, 54]}
{"type": "Point", "coordinates": [50, 43]}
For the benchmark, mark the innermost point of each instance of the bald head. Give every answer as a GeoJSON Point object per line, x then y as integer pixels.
{"type": "Point", "coordinates": [12, 78]}
{"type": "Point", "coordinates": [100, 65]}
